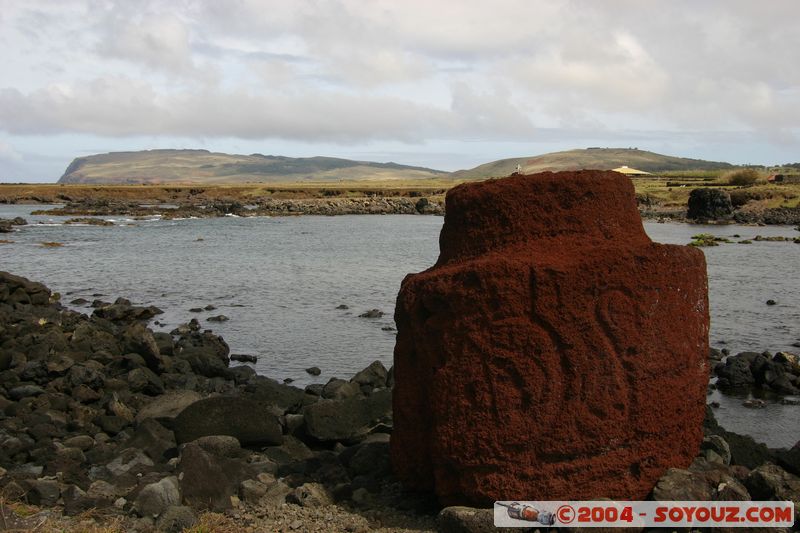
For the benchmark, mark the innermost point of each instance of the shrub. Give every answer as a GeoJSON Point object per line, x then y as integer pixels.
{"type": "Point", "coordinates": [742, 177]}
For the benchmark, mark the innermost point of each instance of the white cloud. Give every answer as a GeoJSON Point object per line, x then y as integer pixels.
{"type": "Point", "coordinates": [416, 71]}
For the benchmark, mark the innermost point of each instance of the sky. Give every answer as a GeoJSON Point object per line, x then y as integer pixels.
{"type": "Point", "coordinates": [439, 83]}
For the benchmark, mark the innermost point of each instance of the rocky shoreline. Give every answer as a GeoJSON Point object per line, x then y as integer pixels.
{"type": "Point", "coordinates": [105, 424]}
{"type": "Point", "coordinates": [375, 205]}
{"type": "Point", "coordinates": [368, 206]}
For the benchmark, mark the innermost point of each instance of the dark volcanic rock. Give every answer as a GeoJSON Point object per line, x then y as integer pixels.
{"type": "Point", "coordinates": [248, 420]}
{"type": "Point", "coordinates": [347, 420]}
{"type": "Point", "coordinates": [207, 480]}
{"type": "Point", "coordinates": [18, 290]}
{"type": "Point", "coordinates": [244, 358]}
{"type": "Point", "coordinates": [735, 371]}
{"type": "Point", "coordinates": [205, 352]}
{"type": "Point", "coordinates": [466, 520]}
{"type": "Point", "coordinates": [541, 357]}
{"type": "Point", "coordinates": [374, 376]}
{"type": "Point", "coordinates": [770, 482]}
{"type": "Point", "coordinates": [267, 391]}
{"type": "Point", "coordinates": [166, 407]}
{"type": "Point", "coordinates": [155, 440]}
{"type": "Point", "coordinates": [139, 340]}
{"type": "Point", "coordinates": [122, 310]}
{"type": "Point", "coordinates": [709, 204]}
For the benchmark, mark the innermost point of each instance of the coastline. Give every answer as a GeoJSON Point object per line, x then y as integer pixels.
{"type": "Point", "coordinates": [351, 198]}
{"type": "Point", "coordinates": [373, 206]}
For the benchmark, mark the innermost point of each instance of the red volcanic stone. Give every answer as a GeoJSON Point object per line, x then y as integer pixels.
{"type": "Point", "coordinates": [553, 352]}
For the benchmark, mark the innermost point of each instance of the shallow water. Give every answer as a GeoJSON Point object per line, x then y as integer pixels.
{"type": "Point", "coordinates": [281, 279]}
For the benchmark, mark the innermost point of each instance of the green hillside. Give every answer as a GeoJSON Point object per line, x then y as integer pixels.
{"type": "Point", "coordinates": [589, 158]}
{"type": "Point", "coordinates": [202, 166]}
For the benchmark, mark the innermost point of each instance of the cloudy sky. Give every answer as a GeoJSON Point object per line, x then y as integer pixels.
{"type": "Point", "coordinates": [441, 83]}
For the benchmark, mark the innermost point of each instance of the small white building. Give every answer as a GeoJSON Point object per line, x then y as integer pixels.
{"type": "Point", "coordinates": [628, 171]}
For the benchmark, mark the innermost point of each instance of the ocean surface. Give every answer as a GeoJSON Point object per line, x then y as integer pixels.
{"type": "Point", "coordinates": [280, 281]}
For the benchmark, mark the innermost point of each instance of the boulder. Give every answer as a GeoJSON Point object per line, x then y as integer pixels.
{"type": "Point", "coordinates": [166, 345]}
{"type": "Point", "coordinates": [207, 480]}
{"type": "Point", "coordinates": [19, 290]}
{"type": "Point", "coordinates": [251, 490]}
{"type": "Point", "coordinates": [146, 381]}
{"type": "Point", "coordinates": [539, 358]}
{"type": "Point", "coordinates": [771, 482]}
{"type": "Point", "coordinates": [339, 389]}
{"type": "Point", "coordinates": [156, 441]}
{"type": "Point", "coordinates": [166, 407]}
{"type": "Point", "coordinates": [369, 458]}
{"type": "Point", "coordinates": [347, 420]}
{"type": "Point", "coordinates": [248, 420]}
{"type": "Point", "coordinates": [222, 445]}
{"type": "Point", "coordinates": [269, 392]}
{"type": "Point", "coordinates": [122, 311]}
{"type": "Point", "coordinates": [309, 495]}
{"type": "Point", "coordinates": [25, 391]}
{"type": "Point", "coordinates": [735, 371]}
{"type": "Point", "coordinates": [244, 358]}
{"type": "Point", "coordinates": [43, 492]}
{"type": "Point", "coordinates": [139, 340]}
{"type": "Point", "coordinates": [715, 449]}
{"type": "Point", "coordinates": [704, 480]}
{"type": "Point", "coordinates": [205, 352]}
{"type": "Point", "coordinates": [374, 376]}
{"type": "Point", "coordinates": [709, 204]}
{"type": "Point", "coordinates": [75, 500]}
{"type": "Point", "coordinates": [82, 442]}
{"type": "Point", "coordinates": [155, 498]}
{"type": "Point", "coordinates": [176, 518]}
{"type": "Point", "coordinates": [131, 460]}
{"type": "Point", "coordinates": [790, 459]}
{"type": "Point", "coordinates": [457, 519]}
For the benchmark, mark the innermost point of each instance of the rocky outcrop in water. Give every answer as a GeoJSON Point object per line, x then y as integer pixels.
{"type": "Point", "coordinates": [553, 351]}
{"type": "Point", "coordinates": [370, 205]}
{"type": "Point", "coordinates": [7, 225]}
{"type": "Point", "coordinates": [779, 373]}
{"type": "Point", "coordinates": [710, 204]}
{"type": "Point", "coordinates": [777, 215]}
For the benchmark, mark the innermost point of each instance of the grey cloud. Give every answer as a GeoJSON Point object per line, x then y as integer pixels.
{"type": "Point", "coordinates": [353, 71]}
{"type": "Point", "coordinates": [124, 107]}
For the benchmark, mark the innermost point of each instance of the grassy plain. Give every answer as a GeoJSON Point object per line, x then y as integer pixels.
{"type": "Point", "coordinates": [670, 190]}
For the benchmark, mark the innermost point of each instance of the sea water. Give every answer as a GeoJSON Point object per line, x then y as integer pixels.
{"type": "Point", "coordinates": [280, 281]}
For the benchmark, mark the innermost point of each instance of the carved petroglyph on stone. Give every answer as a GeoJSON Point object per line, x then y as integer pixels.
{"type": "Point", "coordinates": [553, 352]}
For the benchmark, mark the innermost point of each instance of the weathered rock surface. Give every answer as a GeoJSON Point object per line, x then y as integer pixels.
{"type": "Point", "coordinates": [553, 351]}
{"type": "Point", "coordinates": [243, 418]}
{"type": "Point", "coordinates": [208, 480]}
{"type": "Point", "coordinates": [709, 204]}
{"type": "Point", "coordinates": [155, 498]}
{"type": "Point", "coordinates": [347, 420]}
{"type": "Point", "coordinates": [778, 373]}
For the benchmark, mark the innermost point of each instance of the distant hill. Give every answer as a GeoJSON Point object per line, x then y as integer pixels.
{"type": "Point", "coordinates": [202, 166]}
{"type": "Point", "coordinates": [593, 158]}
